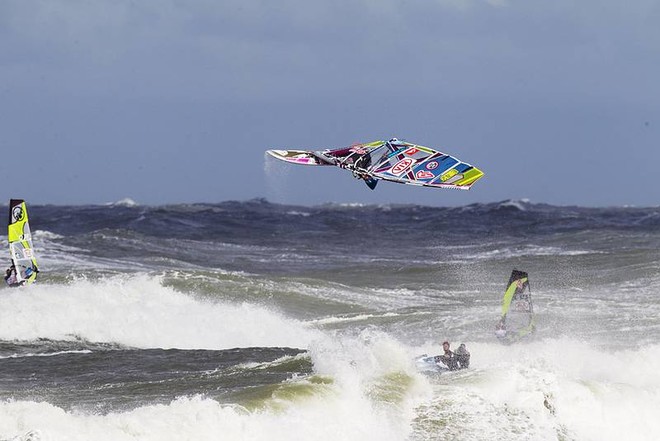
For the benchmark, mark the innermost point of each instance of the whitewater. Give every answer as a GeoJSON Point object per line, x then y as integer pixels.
{"type": "Point", "coordinates": [254, 321]}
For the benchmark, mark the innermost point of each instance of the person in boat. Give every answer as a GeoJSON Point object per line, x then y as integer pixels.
{"type": "Point", "coordinates": [462, 357]}
{"type": "Point", "coordinates": [10, 277]}
{"type": "Point", "coordinates": [448, 358]}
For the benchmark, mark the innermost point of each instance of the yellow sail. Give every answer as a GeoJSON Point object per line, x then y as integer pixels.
{"type": "Point", "coordinates": [517, 318]}
{"type": "Point", "coordinates": [20, 243]}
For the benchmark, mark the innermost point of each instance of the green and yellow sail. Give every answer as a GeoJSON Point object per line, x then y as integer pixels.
{"type": "Point", "coordinates": [517, 320]}
{"type": "Point", "coordinates": [20, 243]}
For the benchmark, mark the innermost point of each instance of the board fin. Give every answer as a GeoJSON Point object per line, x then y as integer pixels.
{"type": "Point", "coordinates": [371, 182]}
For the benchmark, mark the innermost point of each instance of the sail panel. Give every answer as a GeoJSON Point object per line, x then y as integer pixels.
{"type": "Point", "coordinates": [418, 165]}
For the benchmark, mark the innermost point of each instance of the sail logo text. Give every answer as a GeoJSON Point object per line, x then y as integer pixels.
{"type": "Point", "coordinates": [423, 174]}
{"type": "Point", "coordinates": [401, 166]}
{"type": "Point", "coordinates": [448, 175]}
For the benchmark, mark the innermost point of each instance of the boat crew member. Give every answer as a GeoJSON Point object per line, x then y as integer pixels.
{"type": "Point", "coordinates": [448, 358]}
{"type": "Point", "coordinates": [462, 357]}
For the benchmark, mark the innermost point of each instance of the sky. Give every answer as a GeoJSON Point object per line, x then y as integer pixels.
{"type": "Point", "coordinates": [165, 101]}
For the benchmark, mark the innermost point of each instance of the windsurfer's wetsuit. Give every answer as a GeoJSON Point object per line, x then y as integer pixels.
{"type": "Point", "coordinates": [462, 357]}
{"type": "Point", "coordinates": [10, 278]}
{"type": "Point", "coordinates": [362, 162]}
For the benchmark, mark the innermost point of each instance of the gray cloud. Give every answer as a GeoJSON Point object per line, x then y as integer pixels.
{"type": "Point", "coordinates": [173, 101]}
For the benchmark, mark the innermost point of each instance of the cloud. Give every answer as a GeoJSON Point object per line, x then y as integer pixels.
{"type": "Point", "coordinates": [160, 75]}
{"type": "Point", "coordinates": [237, 49]}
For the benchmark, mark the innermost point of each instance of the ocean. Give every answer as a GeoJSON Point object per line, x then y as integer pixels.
{"type": "Point", "coordinates": [259, 321]}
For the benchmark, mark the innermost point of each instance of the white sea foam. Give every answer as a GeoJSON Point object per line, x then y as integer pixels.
{"type": "Point", "coordinates": [544, 390]}
{"type": "Point", "coordinates": [365, 399]}
{"type": "Point", "coordinates": [126, 202]}
{"type": "Point", "coordinates": [350, 318]}
{"type": "Point", "coordinates": [49, 354]}
{"type": "Point", "coordinates": [547, 390]}
{"type": "Point", "coordinates": [519, 204]}
{"type": "Point", "coordinates": [318, 418]}
{"type": "Point", "coordinates": [45, 235]}
{"type": "Point", "coordinates": [298, 213]}
{"type": "Point", "coordinates": [138, 311]}
{"type": "Point", "coordinates": [525, 251]}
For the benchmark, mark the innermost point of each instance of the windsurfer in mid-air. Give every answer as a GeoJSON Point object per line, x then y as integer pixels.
{"type": "Point", "coordinates": [358, 161]}
{"type": "Point", "coordinates": [393, 160]}
{"type": "Point", "coordinates": [363, 163]}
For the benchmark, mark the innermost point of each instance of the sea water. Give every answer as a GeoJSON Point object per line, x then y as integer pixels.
{"type": "Point", "coordinates": [251, 320]}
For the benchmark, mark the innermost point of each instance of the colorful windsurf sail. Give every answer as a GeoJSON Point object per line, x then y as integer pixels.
{"type": "Point", "coordinates": [393, 160]}
{"type": "Point", "coordinates": [517, 320]}
{"type": "Point", "coordinates": [20, 244]}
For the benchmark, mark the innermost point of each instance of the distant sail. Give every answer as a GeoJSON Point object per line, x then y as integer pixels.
{"type": "Point", "coordinates": [394, 161]}
{"type": "Point", "coordinates": [20, 243]}
{"type": "Point", "coordinates": [517, 319]}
